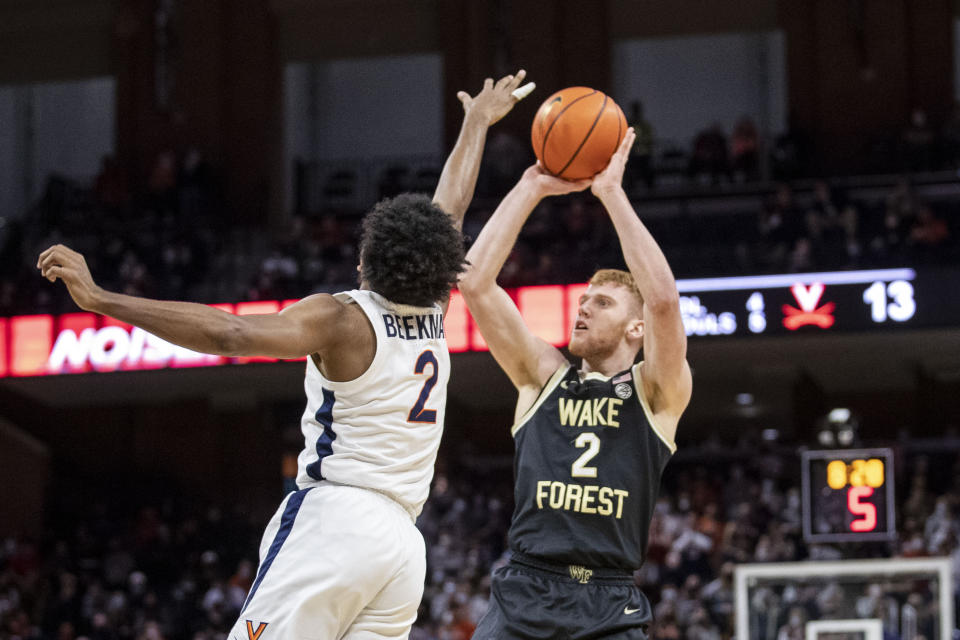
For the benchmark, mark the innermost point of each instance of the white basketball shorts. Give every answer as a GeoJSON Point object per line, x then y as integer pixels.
{"type": "Point", "coordinates": [335, 562]}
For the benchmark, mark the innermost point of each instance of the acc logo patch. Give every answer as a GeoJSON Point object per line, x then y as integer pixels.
{"type": "Point", "coordinates": [255, 634]}
{"type": "Point", "coordinates": [623, 390]}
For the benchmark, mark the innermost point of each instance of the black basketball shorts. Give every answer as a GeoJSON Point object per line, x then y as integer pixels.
{"type": "Point", "coordinates": [533, 600]}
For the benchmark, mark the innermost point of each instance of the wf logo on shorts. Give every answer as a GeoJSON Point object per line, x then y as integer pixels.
{"type": "Point", "coordinates": [255, 635]}
{"type": "Point", "coordinates": [582, 574]}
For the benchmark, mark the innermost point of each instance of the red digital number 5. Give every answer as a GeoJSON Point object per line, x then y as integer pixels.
{"type": "Point", "coordinates": [867, 510]}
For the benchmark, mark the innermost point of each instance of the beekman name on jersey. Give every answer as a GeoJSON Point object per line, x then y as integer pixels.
{"type": "Point", "coordinates": [588, 499]}
{"type": "Point", "coordinates": [415, 327]}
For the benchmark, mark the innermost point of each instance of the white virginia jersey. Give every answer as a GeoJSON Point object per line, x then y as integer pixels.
{"type": "Point", "coordinates": [381, 430]}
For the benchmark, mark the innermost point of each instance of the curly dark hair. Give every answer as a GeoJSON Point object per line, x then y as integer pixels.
{"type": "Point", "coordinates": [410, 252]}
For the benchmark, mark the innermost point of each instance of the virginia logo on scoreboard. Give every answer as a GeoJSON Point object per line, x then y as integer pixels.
{"type": "Point", "coordinates": [808, 313]}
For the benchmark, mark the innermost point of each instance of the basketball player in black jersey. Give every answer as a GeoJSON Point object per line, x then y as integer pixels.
{"type": "Point", "coordinates": [592, 442]}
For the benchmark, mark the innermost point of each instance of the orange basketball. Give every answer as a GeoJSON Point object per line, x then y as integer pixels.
{"type": "Point", "coordinates": [575, 132]}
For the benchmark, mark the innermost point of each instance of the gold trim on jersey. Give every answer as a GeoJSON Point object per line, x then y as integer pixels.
{"type": "Point", "coordinates": [638, 382]}
{"type": "Point", "coordinates": [593, 375]}
{"type": "Point", "coordinates": [544, 394]}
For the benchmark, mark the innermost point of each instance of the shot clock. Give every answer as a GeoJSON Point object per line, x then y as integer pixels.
{"type": "Point", "coordinates": [848, 495]}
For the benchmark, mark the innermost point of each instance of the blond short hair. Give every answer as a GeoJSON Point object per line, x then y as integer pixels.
{"type": "Point", "coordinates": [618, 277]}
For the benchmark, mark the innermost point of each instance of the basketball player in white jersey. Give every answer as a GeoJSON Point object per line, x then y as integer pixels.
{"type": "Point", "coordinates": [342, 558]}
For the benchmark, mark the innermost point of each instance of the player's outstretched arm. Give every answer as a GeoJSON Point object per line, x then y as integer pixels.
{"type": "Point", "coordinates": [299, 330]}
{"type": "Point", "coordinates": [459, 177]}
{"type": "Point", "coordinates": [526, 359]}
{"type": "Point", "coordinates": [666, 374]}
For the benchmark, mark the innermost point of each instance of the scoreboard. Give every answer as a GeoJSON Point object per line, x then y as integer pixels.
{"type": "Point", "coordinates": [848, 495]}
{"type": "Point", "coordinates": [820, 303]}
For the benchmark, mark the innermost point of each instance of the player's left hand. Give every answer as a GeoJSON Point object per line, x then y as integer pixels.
{"type": "Point", "coordinates": [62, 262]}
{"type": "Point", "coordinates": [496, 99]}
{"type": "Point", "coordinates": [611, 178]}
{"type": "Point", "coordinates": [545, 184]}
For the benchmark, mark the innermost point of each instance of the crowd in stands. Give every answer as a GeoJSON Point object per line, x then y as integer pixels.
{"type": "Point", "coordinates": [820, 228]}
{"type": "Point", "coordinates": [174, 241]}
{"type": "Point", "coordinates": [168, 234]}
{"type": "Point", "coordinates": [172, 569]}
{"type": "Point", "coordinates": [833, 231]}
{"type": "Point", "coordinates": [715, 157]}
{"type": "Point", "coordinates": [163, 571]}
{"type": "Point", "coordinates": [159, 241]}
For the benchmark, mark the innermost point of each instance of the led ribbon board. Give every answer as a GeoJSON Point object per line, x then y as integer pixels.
{"type": "Point", "coordinates": [785, 304]}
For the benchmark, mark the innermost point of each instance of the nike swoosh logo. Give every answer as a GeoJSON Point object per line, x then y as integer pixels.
{"type": "Point", "coordinates": [627, 610]}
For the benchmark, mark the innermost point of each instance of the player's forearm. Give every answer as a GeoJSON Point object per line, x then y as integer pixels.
{"type": "Point", "coordinates": [494, 244]}
{"type": "Point", "coordinates": [459, 177]}
{"type": "Point", "coordinates": [643, 255]}
{"type": "Point", "coordinates": [194, 326]}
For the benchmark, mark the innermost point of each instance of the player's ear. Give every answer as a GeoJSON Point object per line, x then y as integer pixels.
{"type": "Point", "coordinates": [635, 329]}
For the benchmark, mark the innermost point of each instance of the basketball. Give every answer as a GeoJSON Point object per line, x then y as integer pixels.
{"type": "Point", "coordinates": [575, 132]}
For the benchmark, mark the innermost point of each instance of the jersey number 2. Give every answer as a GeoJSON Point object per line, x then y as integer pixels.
{"type": "Point", "coordinates": [417, 412]}
{"type": "Point", "coordinates": [579, 468]}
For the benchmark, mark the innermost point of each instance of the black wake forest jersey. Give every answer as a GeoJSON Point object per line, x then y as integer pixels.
{"type": "Point", "coordinates": [587, 467]}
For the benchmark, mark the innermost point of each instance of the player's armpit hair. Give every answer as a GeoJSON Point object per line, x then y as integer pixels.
{"type": "Point", "coordinates": [410, 252]}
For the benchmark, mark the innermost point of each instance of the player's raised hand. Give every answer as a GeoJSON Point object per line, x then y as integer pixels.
{"type": "Point", "coordinates": [544, 184]}
{"type": "Point", "coordinates": [611, 178]}
{"type": "Point", "coordinates": [66, 264]}
{"type": "Point", "coordinates": [496, 99]}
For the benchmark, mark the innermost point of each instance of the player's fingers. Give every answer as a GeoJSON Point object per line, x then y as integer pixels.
{"type": "Point", "coordinates": [624, 149]}
{"type": "Point", "coordinates": [50, 259]}
{"type": "Point", "coordinates": [463, 97]}
{"type": "Point", "coordinates": [71, 257]}
{"type": "Point", "coordinates": [580, 185]}
{"type": "Point", "coordinates": [69, 254]}
{"type": "Point", "coordinates": [517, 79]}
{"type": "Point", "coordinates": [45, 253]}
{"type": "Point", "coordinates": [504, 81]}
{"type": "Point", "coordinates": [53, 272]}
{"type": "Point", "coordinates": [522, 92]}
{"type": "Point", "coordinates": [59, 254]}
{"type": "Point", "coordinates": [488, 84]}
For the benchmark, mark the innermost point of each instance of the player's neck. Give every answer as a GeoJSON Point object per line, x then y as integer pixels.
{"type": "Point", "coordinates": [609, 364]}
